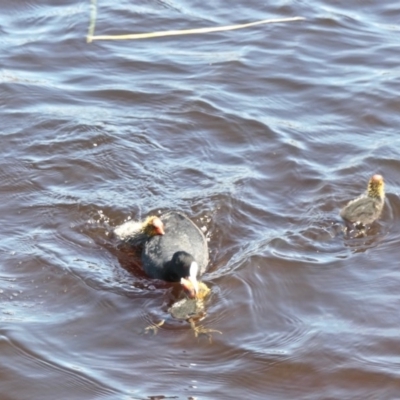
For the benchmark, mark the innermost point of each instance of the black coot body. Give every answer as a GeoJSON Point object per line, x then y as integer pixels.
{"type": "Point", "coordinates": [164, 256]}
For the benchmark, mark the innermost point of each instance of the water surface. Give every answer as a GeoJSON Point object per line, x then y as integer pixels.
{"type": "Point", "coordinates": [259, 135]}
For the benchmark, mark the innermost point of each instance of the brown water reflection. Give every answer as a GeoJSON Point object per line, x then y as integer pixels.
{"type": "Point", "coordinates": [261, 136]}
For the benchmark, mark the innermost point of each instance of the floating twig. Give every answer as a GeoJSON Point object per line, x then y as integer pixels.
{"type": "Point", "coordinates": [93, 16]}
{"type": "Point", "coordinates": [136, 36]}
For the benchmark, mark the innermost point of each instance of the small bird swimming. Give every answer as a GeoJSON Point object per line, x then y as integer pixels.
{"type": "Point", "coordinates": [137, 232]}
{"type": "Point", "coordinates": [368, 207]}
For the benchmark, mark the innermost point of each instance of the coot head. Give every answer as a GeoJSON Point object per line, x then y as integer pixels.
{"type": "Point", "coordinates": [184, 269]}
{"type": "Point", "coordinates": [376, 187]}
{"type": "Point", "coordinates": [153, 226]}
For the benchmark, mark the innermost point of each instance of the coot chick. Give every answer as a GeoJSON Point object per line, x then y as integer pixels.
{"type": "Point", "coordinates": [368, 207]}
{"type": "Point", "coordinates": [137, 232]}
{"type": "Point", "coordinates": [190, 310]}
{"type": "Point", "coordinates": [194, 310]}
{"type": "Point", "coordinates": [180, 255]}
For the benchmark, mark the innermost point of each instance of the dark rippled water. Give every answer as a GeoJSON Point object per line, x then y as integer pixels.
{"type": "Point", "coordinates": [260, 135]}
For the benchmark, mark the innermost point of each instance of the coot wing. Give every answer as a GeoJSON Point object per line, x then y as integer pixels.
{"type": "Point", "coordinates": [365, 210]}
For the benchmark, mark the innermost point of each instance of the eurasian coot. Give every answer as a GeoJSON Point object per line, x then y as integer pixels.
{"type": "Point", "coordinates": [180, 255]}
{"type": "Point", "coordinates": [136, 233]}
{"type": "Point", "coordinates": [368, 207]}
